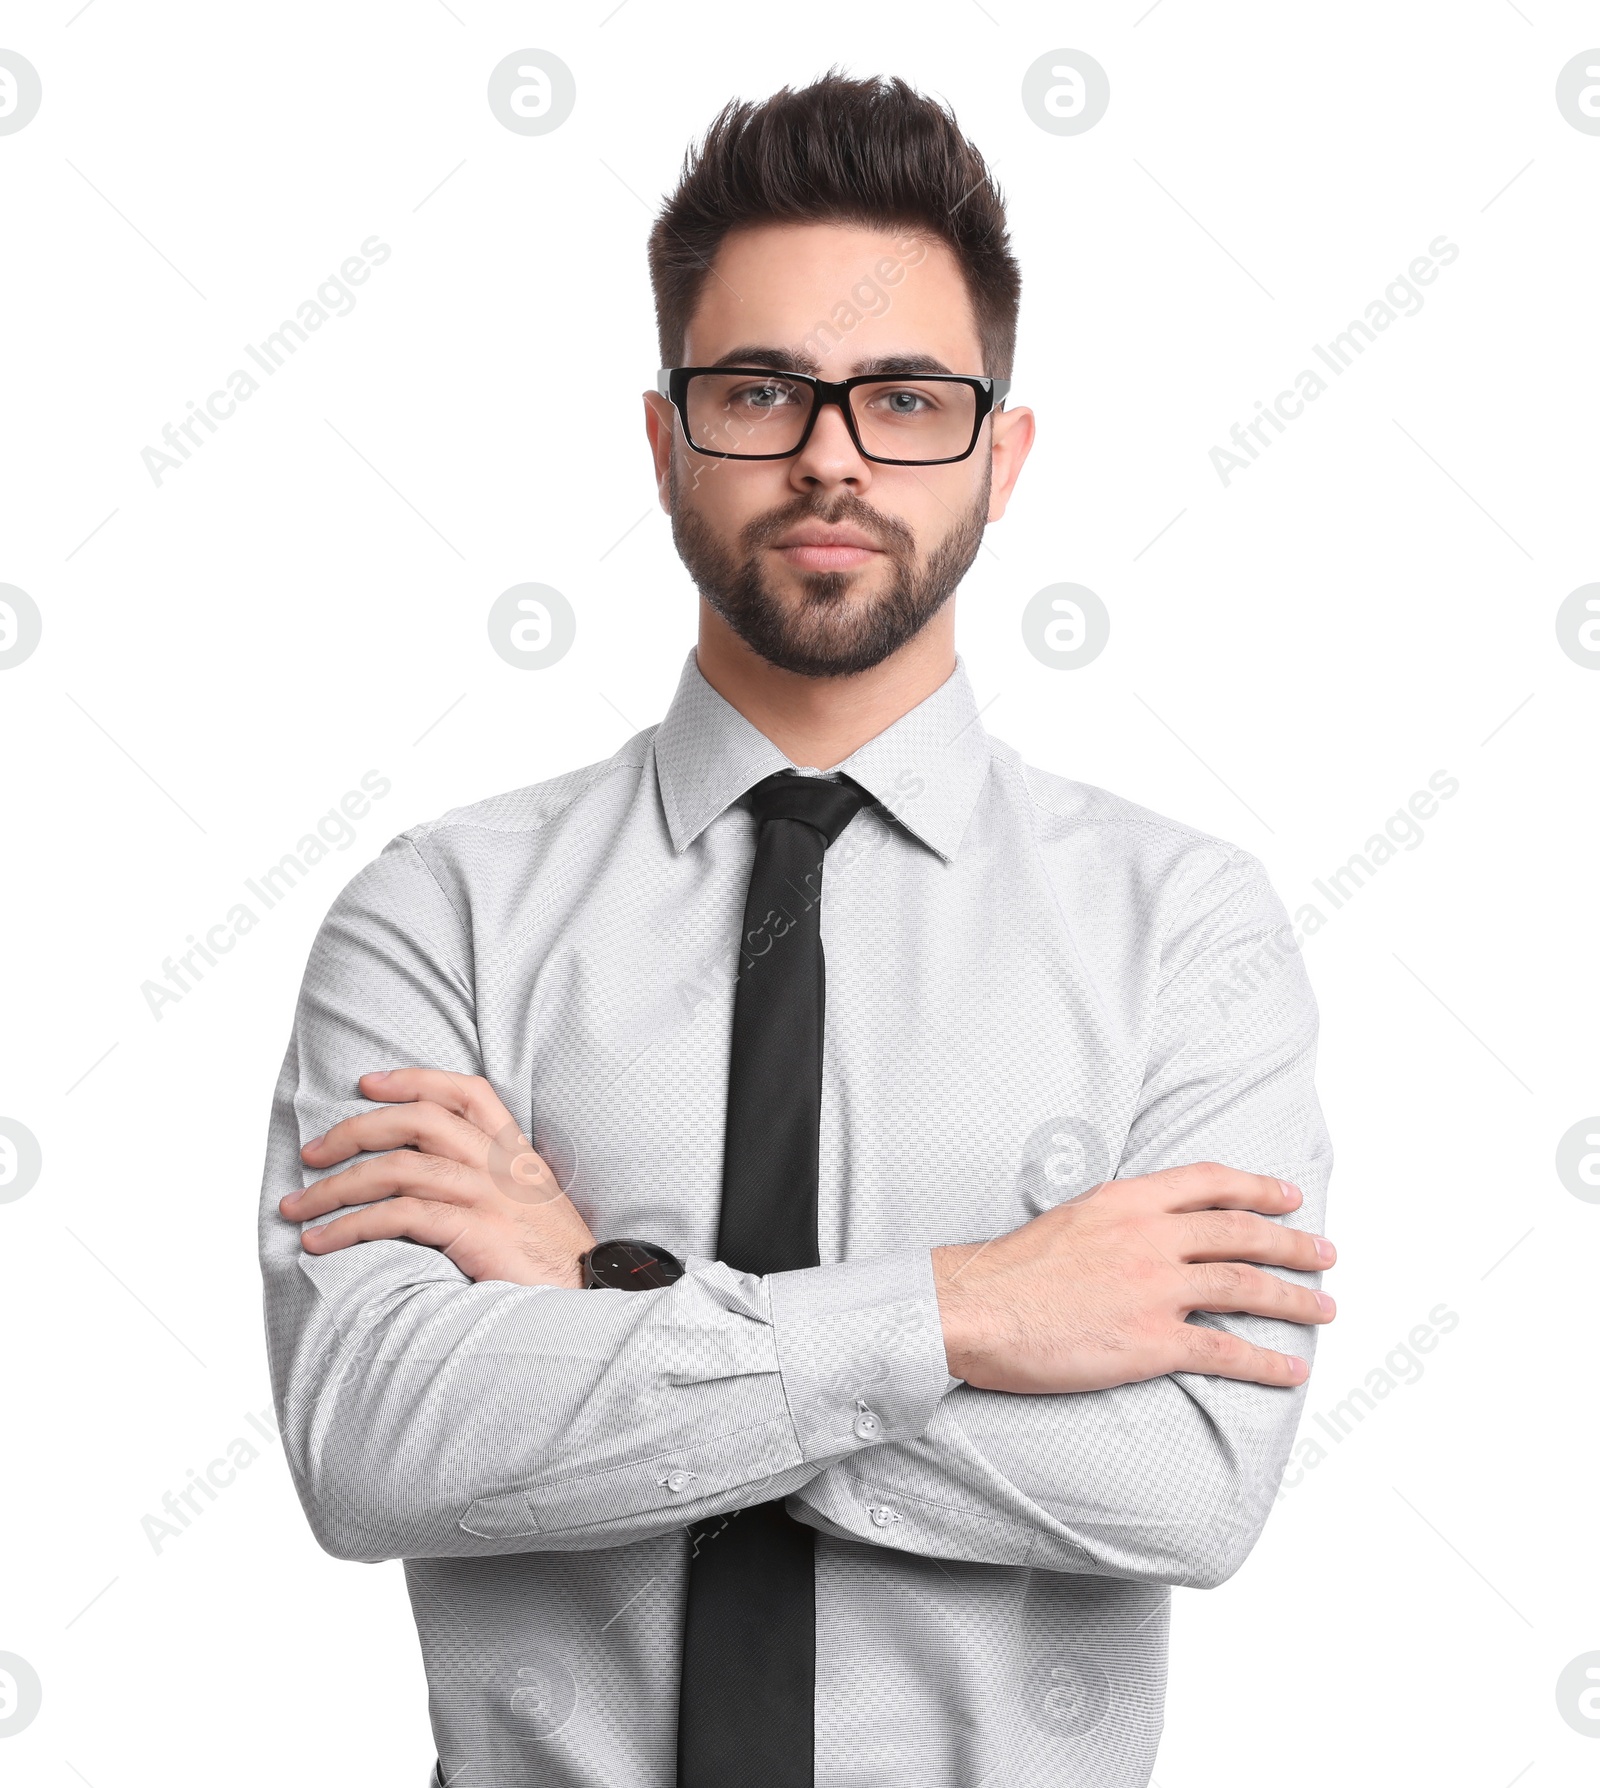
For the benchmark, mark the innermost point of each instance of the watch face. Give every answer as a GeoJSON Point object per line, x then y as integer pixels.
{"type": "Point", "coordinates": [629, 1265]}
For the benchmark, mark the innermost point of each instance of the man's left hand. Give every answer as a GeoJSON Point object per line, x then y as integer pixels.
{"type": "Point", "coordinates": [462, 1178]}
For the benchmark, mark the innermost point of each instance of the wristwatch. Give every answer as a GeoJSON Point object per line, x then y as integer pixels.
{"type": "Point", "coordinates": [629, 1265]}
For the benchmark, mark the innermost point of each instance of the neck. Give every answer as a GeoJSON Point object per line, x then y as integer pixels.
{"type": "Point", "coordinates": [817, 722]}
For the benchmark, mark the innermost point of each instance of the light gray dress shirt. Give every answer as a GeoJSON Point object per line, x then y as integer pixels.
{"type": "Point", "coordinates": [1032, 985]}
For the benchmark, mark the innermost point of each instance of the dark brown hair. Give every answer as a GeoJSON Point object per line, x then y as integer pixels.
{"type": "Point", "coordinates": [874, 153]}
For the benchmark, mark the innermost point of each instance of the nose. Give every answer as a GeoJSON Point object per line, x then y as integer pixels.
{"type": "Point", "coordinates": [830, 460]}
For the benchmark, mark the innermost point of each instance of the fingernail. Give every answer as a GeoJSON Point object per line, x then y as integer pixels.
{"type": "Point", "coordinates": [312, 1141]}
{"type": "Point", "coordinates": [1324, 1248]}
{"type": "Point", "coordinates": [1297, 1367]}
{"type": "Point", "coordinates": [1324, 1303]}
{"type": "Point", "coordinates": [1289, 1191]}
{"type": "Point", "coordinates": [380, 1074]}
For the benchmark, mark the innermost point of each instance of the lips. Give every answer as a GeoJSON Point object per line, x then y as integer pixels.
{"type": "Point", "coordinates": [815, 547]}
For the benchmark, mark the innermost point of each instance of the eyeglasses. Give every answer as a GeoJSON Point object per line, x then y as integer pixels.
{"type": "Point", "coordinates": [752, 412]}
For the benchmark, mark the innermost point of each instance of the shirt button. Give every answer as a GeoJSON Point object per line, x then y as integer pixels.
{"type": "Point", "coordinates": [881, 1517]}
{"type": "Point", "coordinates": [866, 1425]}
{"type": "Point", "coordinates": [678, 1480]}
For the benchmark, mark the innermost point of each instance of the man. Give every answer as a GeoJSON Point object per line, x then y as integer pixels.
{"type": "Point", "coordinates": [956, 1276]}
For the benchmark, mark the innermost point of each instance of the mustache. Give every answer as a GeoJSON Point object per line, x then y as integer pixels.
{"type": "Point", "coordinates": [891, 535]}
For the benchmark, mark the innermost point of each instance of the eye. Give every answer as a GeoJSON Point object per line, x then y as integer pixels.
{"type": "Point", "coordinates": [769, 394]}
{"type": "Point", "coordinates": [903, 400]}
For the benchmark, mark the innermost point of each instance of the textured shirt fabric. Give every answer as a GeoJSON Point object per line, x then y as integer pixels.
{"type": "Point", "coordinates": [1033, 985]}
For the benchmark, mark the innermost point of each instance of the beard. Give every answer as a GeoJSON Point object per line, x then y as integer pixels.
{"type": "Point", "coordinates": [834, 629]}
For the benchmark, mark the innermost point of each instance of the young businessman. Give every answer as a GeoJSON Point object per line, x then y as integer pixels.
{"type": "Point", "coordinates": [956, 1265]}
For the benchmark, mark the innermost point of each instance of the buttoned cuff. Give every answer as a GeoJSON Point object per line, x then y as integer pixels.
{"type": "Point", "coordinates": [860, 1351]}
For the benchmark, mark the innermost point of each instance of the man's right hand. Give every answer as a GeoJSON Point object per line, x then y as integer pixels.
{"type": "Point", "coordinates": [1094, 1292]}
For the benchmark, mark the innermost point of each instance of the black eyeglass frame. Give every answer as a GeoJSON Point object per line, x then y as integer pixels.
{"type": "Point", "coordinates": [672, 382]}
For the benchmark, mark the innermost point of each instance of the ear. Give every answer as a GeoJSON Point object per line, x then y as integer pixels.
{"type": "Point", "coordinates": [1011, 440]}
{"type": "Point", "coordinates": [660, 425]}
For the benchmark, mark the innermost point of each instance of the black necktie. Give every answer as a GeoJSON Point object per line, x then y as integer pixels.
{"type": "Point", "coordinates": [745, 1715]}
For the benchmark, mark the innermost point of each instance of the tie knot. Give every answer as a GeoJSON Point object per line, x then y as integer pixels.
{"type": "Point", "coordinates": [827, 807]}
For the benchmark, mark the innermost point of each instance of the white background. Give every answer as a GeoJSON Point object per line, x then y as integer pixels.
{"type": "Point", "coordinates": [224, 655]}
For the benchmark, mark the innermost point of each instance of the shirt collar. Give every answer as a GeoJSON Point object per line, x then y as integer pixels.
{"type": "Point", "coordinates": [927, 768]}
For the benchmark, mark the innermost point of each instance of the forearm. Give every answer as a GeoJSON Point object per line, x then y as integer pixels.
{"type": "Point", "coordinates": [426, 1416]}
{"type": "Point", "coordinates": [1165, 1481]}
{"type": "Point", "coordinates": [1168, 1479]}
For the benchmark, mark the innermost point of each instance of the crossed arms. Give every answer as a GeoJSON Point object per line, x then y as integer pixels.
{"type": "Point", "coordinates": [1050, 1397]}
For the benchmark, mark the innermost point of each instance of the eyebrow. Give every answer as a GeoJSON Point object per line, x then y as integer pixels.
{"type": "Point", "coordinates": [785, 360]}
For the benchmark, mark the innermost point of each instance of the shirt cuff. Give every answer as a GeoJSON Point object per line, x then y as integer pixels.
{"type": "Point", "coordinates": [860, 1351]}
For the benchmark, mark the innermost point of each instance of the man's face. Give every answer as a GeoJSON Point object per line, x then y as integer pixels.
{"type": "Point", "coordinates": [825, 563]}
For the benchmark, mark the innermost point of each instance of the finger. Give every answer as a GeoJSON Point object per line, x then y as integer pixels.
{"type": "Point", "coordinates": [512, 1163]}
{"type": "Point", "coordinates": [1208, 1185]}
{"type": "Point", "coordinates": [423, 1125]}
{"type": "Point", "coordinates": [1242, 1235]}
{"type": "Point", "coordinates": [1229, 1288]}
{"type": "Point", "coordinates": [389, 1176]}
{"type": "Point", "coordinates": [395, 1219]}
{"type": "Point", "coordinates": [1224, 1355]}
{"type": "Point", "coordinates": [469, 1096]}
